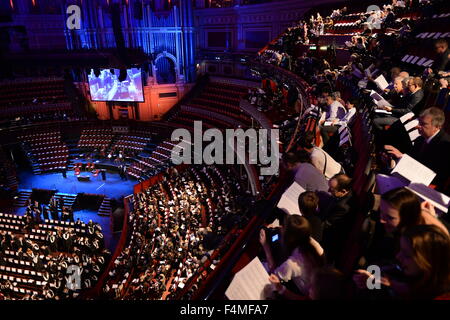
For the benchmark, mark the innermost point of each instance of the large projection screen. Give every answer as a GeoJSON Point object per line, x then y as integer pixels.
{"type": "Point", "coordinates": [107, 87]}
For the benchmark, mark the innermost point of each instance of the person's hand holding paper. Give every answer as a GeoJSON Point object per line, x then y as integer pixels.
{"type": "Point", "coordinates": [276, 282]}
{"type": "Point", "coordinates": [393, 151]}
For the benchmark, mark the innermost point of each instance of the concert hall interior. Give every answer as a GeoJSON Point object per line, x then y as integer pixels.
{"type": "Point", "coordinates": [224, 150]}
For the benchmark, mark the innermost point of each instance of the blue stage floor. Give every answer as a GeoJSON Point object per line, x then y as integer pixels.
{"type": "Point", "coordinates": [113, 187]}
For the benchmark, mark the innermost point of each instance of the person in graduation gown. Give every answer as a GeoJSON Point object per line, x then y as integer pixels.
{"type": "Point", "coordinates": [45, 211]}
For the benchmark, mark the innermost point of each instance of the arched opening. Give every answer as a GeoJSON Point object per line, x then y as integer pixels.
{"type": "Point", "coordinates": [165, 71]}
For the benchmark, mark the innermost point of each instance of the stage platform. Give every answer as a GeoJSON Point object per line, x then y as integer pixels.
{"type": "Point", "coordinates": [113, 187]}
{"type": "Point", "coordinates": [104, 164]}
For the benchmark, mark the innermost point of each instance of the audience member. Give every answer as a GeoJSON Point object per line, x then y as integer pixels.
{"type": "Point", "coordinates": [328, 283]}
{"type": "Point", "coordinates": [432, 149]}
{"type": "Point", "coordinates": [337, 215]}
{"type": "Point", "coordinates": [305, 174]}
{"type": "Point", "coordinates": [305, 255]}
{"type": "Point", "coordinates": [423, 259]}
{"type": "Point", "coordinates": [319, 158]}
{"type": "Point", "coordinates": [347, 120]}
{"type": "Point", "coordinates": [308, 203]}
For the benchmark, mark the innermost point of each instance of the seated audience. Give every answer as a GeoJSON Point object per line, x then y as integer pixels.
{"type": "Point", "coordinates": [334, 111]}
{"type": "Point", "coordinates": [399, 209]}
{"type": "Point", "coordinates": [328, 283]}
{"type": "Point", "coordinates": [441, 64]}
{"type": "Point", "coordinates": [305, 255]}
{"type": "Point", "coordinates": [173, 233]}
{"type": "Point", "coordinates": [347, 120]}
{"type": "Point", "coordinates": [305, 174]}
{"type": "Point", "coordinates": [308, 203]}
{"type": "Point", "coordinates": [51, 257]}
{"type": "Point", "coordinates": [423, 260]}
{"type": "Point", "coordinates": [337, 215]}
{"type": "Point", "coordinates": [320, 158]}
{"type": "Point", "coordinates": [432, 149]}
{"type": "Point", "coordinates": [410, 103]}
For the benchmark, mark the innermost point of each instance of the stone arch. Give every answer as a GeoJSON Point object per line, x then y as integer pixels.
{"type": "Point", "coordinates": [166, 69]}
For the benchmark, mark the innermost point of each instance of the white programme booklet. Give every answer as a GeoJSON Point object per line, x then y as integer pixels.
{"type": "Point", "coordinates": [413, 171]}
{"type": "Point", "coordinates": [289, 199]}
{"type": "Point", "coordinates": [250, 283]}
{"type": "Point", "coordinates": [440, 201]}
{"type": "Point", "coordinates": [381, 82]}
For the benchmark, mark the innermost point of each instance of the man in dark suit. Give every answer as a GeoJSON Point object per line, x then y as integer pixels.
{"type": "Point", "coordinates": [412, 102]}
{"type": "Point", "coordinates": [7, 237]}
{"type": "Point", "coordinates": [65, 214]}
{"type": "Point", "coordinates": [432, 149]}
{"type": "Point", "coordinates": [38, 264]}
{"type": "Point", "coordinates": [28, 245]}
{"type": "Point", "coordinates": [37, 214]}
{"type": "Point", "coordinates": [71, 214]}
{"type": "Point", "coordinates": [4, 245]}
{"type": "Point", "coordinates": [337, 216]}
{"type": "Point", "coordinates": [18, 243]}
{"type": "Point", "coordinates": [53, 202]}
{"type": "Point", "coordinates": [45, 212]}
{"type": "Point", "coordinates": [442, 61]}
{"type": "Point", "coordinates": [390, 19]}
{"type": "Point", "coordinates": [61, 203]}
{"type": "Point", "coordinates": [54, 212]}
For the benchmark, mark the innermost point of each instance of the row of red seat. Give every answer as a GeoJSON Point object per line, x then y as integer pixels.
{"type": "Point", "coordinates": [213, 96]}
{"type": "Point", "coordinates": [132, 142]}
{"type": "Point", "coordinates": [208, 121]}
{"type": "Point", "coordinates": [33, 109]}
{"type": "Point", "coordinates": [47, 149]}
{"type": "Point", "coordinates": [60, 154]}
{"type": "Point", "coordinates": [238, 115]}
{"type": "Point", "coordinates": [33, 94]}
{"type": "Point", "coordinates": [160, 155]}
{"type": "Point", "coordinates": [31, 84]}
{"type": "Point", "coordinates": [17, 98]}
{"type": "Point", "coordinates": [226, 87]}
{"type": "Point", "coordinates": [49, 141]}
{"type": "Point", "coordinates": [95, 138]}
{"type": "Point", "coordinates": [217, 104]}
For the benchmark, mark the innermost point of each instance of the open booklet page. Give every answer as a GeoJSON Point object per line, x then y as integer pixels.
{"type": "Point", "coordinates": [250, 283]}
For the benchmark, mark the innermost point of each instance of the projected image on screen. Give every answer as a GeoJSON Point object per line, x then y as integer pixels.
{"type": "Point", "coordinates": [107, 87]}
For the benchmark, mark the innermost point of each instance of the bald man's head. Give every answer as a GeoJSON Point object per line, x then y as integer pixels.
{"type": "Point", "coordinates": [404, 74]}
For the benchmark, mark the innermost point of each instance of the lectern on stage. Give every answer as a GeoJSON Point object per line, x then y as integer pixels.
{"type": "Point", "coordinates": [84, 178]}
